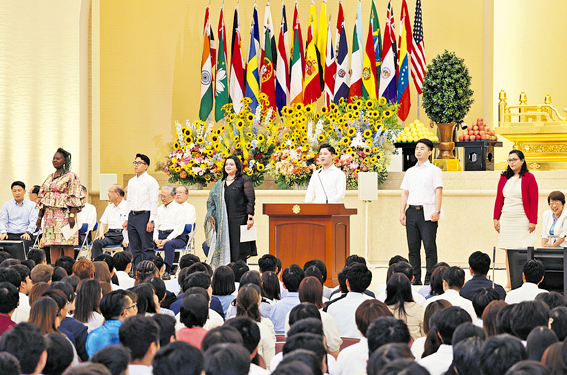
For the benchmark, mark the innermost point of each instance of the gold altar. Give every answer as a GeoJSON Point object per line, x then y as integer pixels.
{"type": "Point", "coordinates": [539, 131]}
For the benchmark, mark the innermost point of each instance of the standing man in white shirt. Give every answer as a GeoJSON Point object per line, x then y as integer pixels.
{"type": "Point", "coordinates": [181, 195]}
{"type": "Point", "coordinates": [143, 191]}
{"type": "Point", "coordinates": [328, 184]}
{"type": "Point", "coordinates": [169, 225]}
{"type": "Point", "coordinates": [86, 215]}
{"type": "Point", "coordinates": [18, 217]}
{"type": "Point", "coordinates": [422, 187]}
{"type": "Point", "coordinates": [115, 214]}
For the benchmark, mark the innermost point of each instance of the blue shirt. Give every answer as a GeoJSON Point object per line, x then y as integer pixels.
{"type": "Point", "coordinates": [18, 218]}
{"type": "Point", "coordinates": [280, 310]}
{"type": "Point", "coordinates": [108, 334]}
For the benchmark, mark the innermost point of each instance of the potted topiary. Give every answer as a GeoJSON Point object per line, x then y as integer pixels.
{"type": "Point", "coordinates": [447, 97]}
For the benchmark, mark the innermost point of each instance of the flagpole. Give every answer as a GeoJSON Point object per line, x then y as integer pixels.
{"type": "Point", "coordinates": [418, 106]}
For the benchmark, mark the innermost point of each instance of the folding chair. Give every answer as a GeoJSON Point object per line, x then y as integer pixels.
{"type": "Point", "coordinates": [85, 248]}
{"type": "Point", "coordinates": [189, 231]}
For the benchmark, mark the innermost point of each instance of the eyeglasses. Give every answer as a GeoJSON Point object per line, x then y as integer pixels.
{"type": "Point", "coordinates": [512, 160]}
{"type": "Point", "coordinates": [138, 163]}
{"type": "Point", "coordinates": [134, 306]}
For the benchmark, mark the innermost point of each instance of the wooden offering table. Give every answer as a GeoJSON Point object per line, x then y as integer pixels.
{"type": "Point", "coordinates": [304, 231]}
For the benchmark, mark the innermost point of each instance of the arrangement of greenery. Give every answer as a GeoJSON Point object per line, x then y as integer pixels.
{"type": "Point", "coordinates": [447, 96]}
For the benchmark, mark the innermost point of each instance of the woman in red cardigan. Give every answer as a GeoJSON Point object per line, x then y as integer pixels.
{"type": "Point", "coordinates": [515, 209]}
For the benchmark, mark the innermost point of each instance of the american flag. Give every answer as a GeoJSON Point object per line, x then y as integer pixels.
{"type": "Point", "coordinates": [418, 50]}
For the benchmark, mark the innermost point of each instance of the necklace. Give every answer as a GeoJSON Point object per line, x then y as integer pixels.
{"type": "Point", "coordinates": [231, 179]}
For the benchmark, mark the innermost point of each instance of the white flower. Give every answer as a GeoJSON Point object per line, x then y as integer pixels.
{"type": "Point", "coordinates": [221, 74]}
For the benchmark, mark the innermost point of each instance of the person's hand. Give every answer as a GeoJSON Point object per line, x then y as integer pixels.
{"type": "Point", "coordinates": [71, 221]}
{"type": "Point", "coordinates": [150, 227]}
{"type": "Point", "coordinates": [497, 225]}
{"type": "Point", "coordinates": [531, 227]}
{"type": "Point", "coordinates": [124, 244]}
{"type": "Point", "coordinates": [3, 236]}
{"type": "Point", "coordinates": [125, 225]}
{"type": "Point", "coordinates": [38, 223]}
{"type": "Point", "coordinates": [434, 217]}
{"type": "Point", "coordinates": [212, 221]}
{"type": "Point", "coordinates": [249, 224]}
{"type": "Point", "coordinates": [25, 236]}
{"type": "Point", "coordinates": [100, 237]}
{"type": "Point", "coordinates": [403, 219]}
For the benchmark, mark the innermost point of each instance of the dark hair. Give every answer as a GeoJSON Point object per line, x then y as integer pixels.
{"type": "Point", "coordinates": [398, 293]}
{"type": "Point", "coordinates": [306, 325]}
{"type": "Point", "coordinates": [328, 147]}
{"type": "Point", "coordinates": [36, 189]}
{"type": "Point", "coordinates": [144, 270]}
{"type": "Point", "coordinates": [166, 325]}
{"type": "Point", "coordinates": [556, 196]}
{"type": "Point", "coordinates": [107, 258]}
{"type": "Point", "coordinates": [29, 263]}
{"type": "Point", "coordinates": [240, 268]}
{"type": "Point", "coordinates": [59, 354]}
{"type": "Point", "coordinates": [528, 368]}
{"type": "Point", "coordinates": [250, 277]}
{"type": "Point", "coordinates": [88, 368]}
{"type": "Point", "coordinates": [37, 255]}
{"type": "Point", "coordinates": [159, 287]}
{"type": "Point", "coordinates": [499, 353]}
{"type": "Point", "coordinates": [342, 280]}
{"type": "Point", "coordinates": [22, 270]}
{"type": "Point", "coordinates": [292, 277]}
{"type": "Point", "coordinates": [25, 342]}
{"type": "Point", "coordinates": [504, 320]}
{"type": "Point", "coordinates": [113, 304]}
{"type": "Point", "coordinates": [405, 268]}
{"type": "Point", "coordinates": [303, 311]}
{"type": "Point", "coordinates": [178, 358]}
{"type": "Point", "coordinates": [67, 155]}
{"type": "Point", "coordinates": [5, 255]}
{"type": "Point", "coordinates": [9, 297]}
{"type": "Point", "coordinates": [311, 290]}
{"type": "Point", "coordinates": [436, 287]}
{"type": "Point", "coordinates": [509, 172]}
{"type": "Point", "coordinates": [237, 163]}
{"type": "Point", "coordinates": [307, 357]}
{"type": "Point", "coordinates": [539, 339]}
{"type": "Point", "coordinates": [9, 263]}
{"type": "Point", "coordinates": [293, 368]}
{"type": "Point", "coordinates": [145, 298]}
{"type": "Point", "coordinates": [533, 271]}
{"type": "Point", "coordinates": [73, 281]}
{"type": "Point", "coordinates": [489, 317]}
{"type": "Point", "coordinates": [385, 330]}
{"type": "Point", "coordinates": [385, 354]}
{"type": "Point", "coordinates": [426, 142]}
{"type": "Point", "coordinates": [320, 265]}
{"type": "Point", "coordinates": [196, 267]}
{"type": "Point", "coordinates": [43, 313]}
{"type": "Point", "coordinates": [137, 333]}
{"type": "Point", "coordinates": [267, 262]}
{"type": "Point", "coordinates": [482, 298]}
{"type": "Point", "coordinates": [194, 310]}
{"type": "Point", "coordinates": [249, 331]}
{"type": "Point", "coordinates": [247, 302]}
{"type": "Point", "coordinates": [157, 260]}
{"type": "Point", "coordinates": [455, 277]}
{"type": "Point", "coordinates": [558, 322]}
{"type": "Point", "coordinates": [271, 285]}
{"type": "Point", "coordinates": [58, 296]}
{"type": "Point", "coordinates": [66, 262]}
{"type": "Point", "coordinates": [368, 311]}
{"type": "Point", "coordinates": [465, 331]}
{"type": "Point", "coordinates": [88, 299]}
{"type": "Point", "coordinates": [354, 259]}
{"type": "Point", "coordinates": [465, 357]}
{"type": "Point", "coordinates": [313, 271]}
{"type": "Point", "coordinates": [121, 260]}
{"type": "Point", "coordinates": [552, 299]}
{"type": "Point", "coordinates": [397, 258]}
{"type": "Point", "coordinates": [308, 341]}
{"type": "Point", "coordinates": [227, 359]}
{"type": "Point", "coordinates": [9, 365]}
{"type": "Point", "coordinates": [448, 320]}
{"type": "Point", "coordinates": [221, 335]}
{"type": "Point", "coordinates": [114, 357]}
{"type": "Point", "coordinates": [554, 358]}
{"type": "Point", "coordinates": [144, 158]}
{"type": "Point", "coordinates": [58, 274]}
{"type": "Point", "coordinates": [431, 309]}
{"type": "Point", "coordinates": [359, 277]}
{"type": "Point", "coordinates": [526, 316]}
{"type": "Point", "coordinates": [200, 279]}
{"type": "Point", "coordinates": [12, 276]}
{"type": "Point", "coordinates": [188, 260]}
{"type": "Point", "coordinates": [223, 281]}
{"type": "Point", "coordinates": [479, 262]}
{"type": "Point", "coordinates": [197, 290]}
{"type": "Point", "coordinates": [18, 183]}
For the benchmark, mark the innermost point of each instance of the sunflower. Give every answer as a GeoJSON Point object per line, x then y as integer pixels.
{"type": "Point", "coordinates": [214, 139]}
{"type": "Point", "coordinates": [377, 126]}
{"type": "Point", "coordinates": [367, 150]}
{"type": "Point", "coordinates": [222, 128]}
{"type": "Point", "coordinates": [176, 145]}
{"type": "Point", "coordinates": [305, 139]}
{"type": "Point", "coordinates": [349, 150]}
{"type": "Point", "coordinates": [189, 140]}
{"type": "Point", "coordinates": [317, 116]}
{"type": "Point", "coordinates": [320, 137]}
{"type": "Point", "coordinates": [260, 167]}
{"type": "Point", "coordinates": [308, 108]}
{"type": "Point", "coordinates": [388, 113]}
{"type": "Point", "coordinates": [349, 106]}
{"type": "Point", "coordinates": [344, 151]}
{"type": "Point", "coordinates": [350, 116]}
{"type": "Point", "coordinates": [216, 146]}
{"type": "Point", "coordinates": [231, 117]}
{"type": "Point", "coordinates": [298, 106]}
{"type": "Point", "coordinates": [345, 140]}
{"type": "Point", "coordinates": [250, 117]}
{"type": "Point", "coordinates": [367, 133]}
{"type": "Point", "coordinates": [355, 107]}
{"type": "Point", "coordinates": [177, 169]}
{"type": "Point", "coordinates": [369, 104]}
{"type": "Point", "coordinates": [356, 172]}
{"type": "Point", "coordinates": [236, 138]}
{"type": "Point", "coordinates": [358, 102]}
{"type": "Point", "coordinates": [249, 135]}
{"type": "Point", "coordinates": [242, 114]}
{"type": "Point", "coordinates": [341, 121]}
{"type": "Point", "coordinates": [238, 145]}
{"type": "Point", "coordinates": [373, 160]}
{"type": "Point", "coordinates": [186, 131]}
{"type": "Point", "coordinates": [303, 157]}
{"type": "Point", "coordinates": [285, 110]}
{"type": "Point", "coordinates": [333, 106]}
{"type": "Point", "coordinates": [356, 113]}
{"type": "Point", "coordinates": [263, 96]}
{"type": "Point", "coordinates": [382, 100]}
{"type": "Point", "coordinates": [341, 101]}
{"type": "Point", "coordinates": [324, 109]}
{"type": "Point", "coordinates": [305, 147]}
{"type": "Point", "coordinates": [247, 100]}
{"type": "Point", "coordinates": [286, 136]}
{"type": "Point", "coordinates": [239, 124]}
{"type": "Point", "coordinates": [365, 160]}
{"type": "Point", "coordinates": [260, 138]}
{"type": "Point", "coordinates": [200, 140]}
{"type": "Point", "coordinates": [351, 131]}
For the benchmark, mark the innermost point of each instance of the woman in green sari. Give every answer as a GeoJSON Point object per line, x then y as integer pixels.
{"type": "Point", "coordinates": [230, 205]}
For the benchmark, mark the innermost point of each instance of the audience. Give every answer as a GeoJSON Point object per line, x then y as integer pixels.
{"type": "Point", "coordinates": [26, 343]}
{"type": "Point", "coordinates": [402, 305]}
{"type": "Point", "coordinates": [539, 339]}
{"type": "Point", "coordinates": [178, 358]}
{"type": "Point", "coordinates": [479, 265]}
{"type": "Point", "coordinates": [194, 313]}
{"type": "Point", "coordinates": [227, 359]}
{"type": "Point", "coordinates": [532, 276]}
{"type": "Point", "coordinates": [140, 334]}
{"type": "Point", "coordinates": [115, 358]}
{"type": "Point", "coordinates": [59, 354]}
{"type": "Point", "coordinates": [292, 277]}
{"type": "Point", "coordinates": [499, 353]}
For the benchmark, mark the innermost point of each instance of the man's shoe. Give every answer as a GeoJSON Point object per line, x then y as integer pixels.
{"type": "Point", "coordinates": [166, 276]}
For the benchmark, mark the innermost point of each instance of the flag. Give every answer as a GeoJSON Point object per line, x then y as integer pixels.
{"type": "Point", "coordinates": [206, 78]}
{"type": "Point", "coordinates": [418, 61]}
{"type": "Point", "coordinates": [209, 30]}
{"type": "Point", "coordinates": [269, 25]}
{"type": "Point", "coordinates": [369, 82]}
{"type": "Point", "coordinates": [356, 67]}
{"type": "Point", "coordinates": [340, 21]}
{"type": "Point", "coordinates": [312, 22]}
{"type": "Point", "coordinates": [282, 67]}
{"type": "Point", "coordinates": [392, 25]}
{"type": "Point", "coordinates": [221, 78]}
{"type": "Point", "coordinates": [256, 33]}
{"type": "Point", "coordinates": [404, 74]}
{"type": "Point", "coordinates": [342, 80]}
{"type": "Point", "coordinates": [388, 68]}
{"type": "Point", "coordinates": [330, 69]}
{"type": "Point", "coordinates": [359, 25]}
{"type": "Point", "coordinates": [296, 83]}
{"type": "Point", "coordinates": [297, 28]}
{"type": "Point", "coordinates": [377, 39]}
{"type": "Point", "coordinates": [252, 90]}
{"type": "Point", "coordinates": [312, 82]}
{"type": "Point", "coordinates": [237, 69]}
{"type": "Point", "coordinates": [322, 36]}
{"type": "Point", "coordinates": [268, 73]}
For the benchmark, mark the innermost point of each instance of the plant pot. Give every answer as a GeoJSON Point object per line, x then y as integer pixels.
{"type": "Point", "coordinates": [446, 144]}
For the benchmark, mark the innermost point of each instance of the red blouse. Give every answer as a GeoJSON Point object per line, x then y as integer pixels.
{"type": "Point", "coordinates": [530, 194]}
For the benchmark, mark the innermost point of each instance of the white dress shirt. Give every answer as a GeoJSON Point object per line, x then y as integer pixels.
{"type": "Point", "coordinates": [140, 370]}
{"type": "Point", "coordinates": [87, 215]}
{"type": "Point", "coordinates": [527, 292]}
{"type": "Point", "coordinates": [190, 214]}
{"type": "Point", "coordinates": [143, 194]}
{"type": "Point", "coordinates": [170, 217]}
{"type": "Point", "coordinates": [421, 182]}
{"type": "Point", "coordinates": [344, 312]}
{"type": "Point", "coordinates": [326, 186]}
{"type": "Point", "coordinates": [353, 358]}
{"type": "Point", "coordinates": [330, 330]}
{"type": "Point", "coordinates": [455, 299]}
{"type": "Point", "coordinates": [24, 302]}
{"type": "Point", "coordinates": [257, 370]}
{"type": "Point", "coordinates": [114, 216]}
{"type": "Point", "coordinates": [124, 280]}
{"type": "Point", "coordinates": [438, 363]}
{"type": "Point", "coordinates": [18, 218]}
{"type": "Point", "coordinates": [560, 229]}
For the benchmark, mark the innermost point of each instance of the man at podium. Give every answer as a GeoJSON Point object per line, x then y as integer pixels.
{"type": "Point", "coordinates": [328, 184]}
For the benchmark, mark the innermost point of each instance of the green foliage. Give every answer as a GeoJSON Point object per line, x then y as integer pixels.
{"type": "Point", "coordinates": [447, 96]}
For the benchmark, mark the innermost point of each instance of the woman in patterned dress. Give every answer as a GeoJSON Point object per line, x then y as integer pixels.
{"type": "Point", "coordinates": [59, 200]}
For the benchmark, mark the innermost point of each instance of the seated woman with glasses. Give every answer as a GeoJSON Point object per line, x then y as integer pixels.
{"type": "Point", "coordinates": [554, 228]}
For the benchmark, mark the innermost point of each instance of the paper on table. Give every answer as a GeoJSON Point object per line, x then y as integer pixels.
{"type": "Point", "coordinates": [67, 231]}
{"type": "Point", "coordinates": [247, 235]}
{"type": "Point", "coordinates": [528, 239]}
{"type": "Point", "coordinates": [428, 210]}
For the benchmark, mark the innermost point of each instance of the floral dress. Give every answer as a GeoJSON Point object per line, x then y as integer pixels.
{"type": "Point", "coordinates": [56, 195]}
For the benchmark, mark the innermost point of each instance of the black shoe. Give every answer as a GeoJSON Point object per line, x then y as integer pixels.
{"type": "Point", "coordinates": [416, 282]}
{"type": "Point", "coordinates": [166, 276]}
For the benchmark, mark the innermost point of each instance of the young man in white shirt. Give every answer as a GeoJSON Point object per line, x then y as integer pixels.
{"type": "Point", "coordinates": [422, 187]}
{"type": "Point", "coordinates": [140, 334]}
{"type": "Point", "coordinates": [123, 266]}
{"type": "Point", "coordinates": [169, 226]}
{"type": "Point", "coordinates": [114, 216]}
{"type": "Point", "coordinates": [18, 217]}
{"type": "Point", "coordinates": [532, 276]}
{"type": "Point", "coordinates": [328, 184]}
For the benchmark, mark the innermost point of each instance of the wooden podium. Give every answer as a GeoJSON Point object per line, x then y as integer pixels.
{"type": "Point", "coordinates": [304, 231]}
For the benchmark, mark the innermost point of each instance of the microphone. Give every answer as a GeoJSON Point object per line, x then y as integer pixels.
{"type": "Point", "coordinates": [326, 197]}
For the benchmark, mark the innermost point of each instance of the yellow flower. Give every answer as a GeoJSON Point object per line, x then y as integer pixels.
{"type": "Point", "coordinates": [186, 131]}
{"type": "Point", "coordinates": [177, 169]}
{"type": "Point", "coordinates": [365, 160]}
{"type": "Point", "coordinates": [382, 101]}
{"type": "Point", "coordinates": [247, 100]}
{"type": "Point", "coordinates": [260, 138]}
{"type": "Point", "coordinates": [369, 104]}
{"type": "Point", "coordinates": [324, 109]}
{"type": "Point", "coordinates": [249, 135]}
{"type": "Point", "coordinates": [214, 139]}
{"type": "Point", "coordinates": [303, 156]}
{"type": "Point", "coordinates": [372, 160]}
{"type": "Point", "coordinates": [188, 140]}
{"type": "Point", "coordinates": [367, 150]}
{"type": "Point", "coordinates": [377, 126]}
{"type": "Point", "coordinates": [388, 113]}
{"type": "Point", "coordinates": [236, 138]}
{"type": "Point", "coordinates": [298, 106]}
{"type": "Point", "coordinates": [349, 150]}
{"type": "Point", "coordinates": [216, 146]}
{"type": "Point", "coordinates": [320, 137]}
{"type": "Point", "coordinates": [305, 139]}
{"type": "Point", "coordinates": [242, 114]}
{"type": "Point", "coordinates": [341, 101]}
{"type": "Point", "coordinates": [355, 107]}
{"type": "Point", "coordinates": [174, 160]}
{"type": "Point", "coordinates": [356, 113]}
{"type": "Point", "coordinates": [317, 116]}
{"type": "Point", "coordinates": [263, 96]}
{"type": "Point", "coordinates": [239, 124]}
{"type": "Point", "coordinates": [356, 172]}
{"type": "Point", "coordinates": [176, 145]}
{"type": "Point", "coordinates": [285, 110]}
{"type": "Point", "coordinates": [308, 108]}
{"type": "Point", "coordinates": [367, 133]}
{"type": "Point", "coordinates": [350, 116]}
{"type": "Point", "coordinates": [260, 167]}
{"type": "Point", "coordinates": [232, 117]}
{"type": "Point", "coordinates": [200, 140]}
{"type": "Point", "coordinates": [368, 142]}
{"type": "Point", "coordinates": [345, 140]}
{"type": "Point", "coordinates": [349, 106]}
{"type": "Point", "coordinates": [238, 145]}
{"type": "Point", "coordinates": [286, 136]}
{"type": "Point", "coordinates": [305, 147]}
{"type": "Point", "coordinates": [250, 117]}
{"type": "Point", "coordinates": [248, 145]}
{"type": "Point", "coordinates": [351, 131]}
{"type": "Point", "coordinates": [222, 128]}
{"type": "Point", "coordinates": [359, 102]}
{"type": "Point", "coordinates": [375, 150]}
{"type": "Point", "coordinates": [333, 106]}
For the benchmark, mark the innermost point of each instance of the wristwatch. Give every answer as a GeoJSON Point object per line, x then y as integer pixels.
{"type": "Point", "coordinates": [439, 212]}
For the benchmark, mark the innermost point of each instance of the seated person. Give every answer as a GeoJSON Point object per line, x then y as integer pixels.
{"type": "Point", "coordinates": [140, 334]}
{"type": "Point", "coordinates": [554, 229]}
{"type": "Point", "coordinates": [532, 276]}
{"type": "Point", "coordinates": [292, 277]}
{"type": "Point", "coordinates": [9, 297]}
{"type": "Point", "coordinates": [168, 227]}
{"type": "Point", "coordinates": [194, 313]}
{"type": "Point", "coordinates": [33, 193]}
{"type": "Point", "coordinates": [181, 195]}
{"type": "Point", "coordinates": [86, 215]}
{"type": "Point", "coordinates": [115, 214]}
{"type": "Point", "coordinates": [27, 344]}
{"type": "Point", "coordinates": [18, 217]}
{"type": "Point", "coordinates": [123, 266]}
{"type": "Point", "coordinates": [405, 268]}
{"type": "Point", "coordinates": [479, 264]}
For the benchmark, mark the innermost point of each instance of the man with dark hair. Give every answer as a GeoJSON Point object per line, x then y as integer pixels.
{"type": "Point", "coordinates": [386, 330]}
{"type": "Point", "coordinates": [447, 320]}
{"type": "Point", "coordinates": [143, 191]}
{"type": "Point", "coordinates": [193, 314]}
{"type": "Point", "coordinates": [123, 266]}
{"type": "Point", "coordinates": [9, 299]}
{"type": "Point", "coordinates": [358, 278]}
{"type": "Point", "coordinates": [13, 277]}
{"type": "Point", "coordinates": [479, 265]}
{"type": "Point", "coordinates": [38, 256]}
{"type": "Point", "coordinates": [115, 358]}
{"type": "Point", "coordinates": [59, 354]}
{"type": "Point", "coordinates": [328, 184]}
{"type": "Point", "coordinates": [227, 359]}
{"type": "Point", "coordinates": [481, 299]}
{"type": "Point", "coordinates": [140, 334]}
{"type": "Point", "coordinates": [26, 343]}
{"type": "Point", "coordinates": [166, 325]}
{"type": "Point", "coordinates": [9, 364]}
{"type": "Point", "coordinates": [88, 216]}
{"type": "Point", "coordinates": [292, 277]}
{"type": "Point", "coordinates": [250, 333]}
{"type": "Point", "coordinates": [18, 217]}
{"type": "Point", "coordinates": [526, 316]}
{"type": "Point", "coordinates": [532, 276]}
{"type": "Point", "coordinates": [308, 341]}
{"type": "Point", "coordinates": [453, 281]}
{"type": "Point", "coordinates": [178, 358]}
{"type": "Point", "coordinates": [499, 353]}
{"type": "Point", "coordinates": [239, 268]}
{"type": "Point", "coordinates": [114, 216]}
{"type": "Point", "coordinates": [420, 208]}
{"type": "Point", "coordinates": [323, 268]}
{"type": "Point", "coordinates": [266, 263]}
{"type": "Point", "coordinates": [25, 286]}
{"type": "Point", "coordinates": [116, 307]}
{"type": "Point", "coordinates": [66, 262]}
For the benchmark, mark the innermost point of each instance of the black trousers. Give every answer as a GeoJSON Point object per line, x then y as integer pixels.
{"type": "Point", "coordinates": [141, 242]}
{"type": "Point", "coordinates": [110, 238]}
{"type": "Point", "coordinates": [418, 230]}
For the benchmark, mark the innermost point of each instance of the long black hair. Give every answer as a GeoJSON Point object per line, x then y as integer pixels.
{"type": "Point", "coordinates": [67, 155]}
{"type": "Point", "coordinates": [398, 292]}
{"type": "Point", "coordinates": [509, 172]}
{"type": "Point", "coordinates": [238, 164]}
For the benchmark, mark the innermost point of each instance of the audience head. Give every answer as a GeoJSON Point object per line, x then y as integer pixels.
{"type": "Point", "coordinates": [194, 311]}
{"type": "Point", "coordinates": [528, 368]}
{"type": "Point", "coordinates": [354, 259]}
{"type": "Point", "coordinates": [26, 283]}
{"type": "Point", "coordinates": [43, 314]}
{"type": "Point", "coordinates": [314, 272]}
{"type": "Point", "coordinates": [533, 271]}
{"type": "Point", "coordinates": [526, 316]}
{"type": "Point", "coordinates": [482, 298]}
{"type": "Point", "coordinates": [58, 274]}
{"type": "Point", "coordinates": [448, 320]}
{"type": "Point", "coordinates": [303, 311]}
{"type": "Point", "coordinates": [188, 260]}
{"type": "Point", "coordinates": [404, 366]}
{"type": "Point", "coordinates": [227, 359]}
{"type": "Point", "coordinates": [436, 286]}
{"type": "Point", "coordinates": [307, 357]}
{"type": "Point", "coordinates": [308, 341]}
{"type": "Point", "coordinates": [453, 278]}
{"type": "Point", "coordinates": [102, 274]}
{"type": "Point", "coordinates": [248, 301]}
{"type": "Point", "coordinates": [222, 335]}
{"type": "Point", "coordinates": [223, 281]}
{"type": "Point", "coordinates": [249, 331]}
{"type": "Point", "coordinates": [114, 357]}
{"type": "Point", "coordinates": [271, 285]}
{"type": "Point", "coordinates": [293, 368]}
{"type": "Point", "coordinates": [140, 334]}
{"type": "Point", "coordinates": [467, 330]}
{"type": "Point", "coordinates": [386, 354]}
{"type": "Point", "coordinates": [239, 268]}
{"type": "Point", "coordinates": [160, 265]}
{"type": "Point", "coordinates": [59, 354]}
{"type": "Point", "coordinates": [146, 269]}
{"type": "Point", "coordinates": [552, 299]}
{"type": "Point", "coordinates": [251, 277]}
{"type": "Point", "coordinates": [9, 297]}
{"type": "Point", "coordinates": [398, 292]}
{"type": "Point", "coordinates": [368, 311]}
{"type": "Point", "coordinates": [465, 356]}
{"type": "Point", "coordinates": [386, 330]}
{"type": "Point", "coordinates": [404, 268]}
{"type": "Point", "coordinates": [88, 299]}
{"type": "Point", "coordinates": [499, 353]}
{"type": "Point", "coordinates": [178, 358]}
{"type": "Point", "coordinates": [267, 262]}
{"type": "Point", "coordinates": [66, 262]}
{"type": "Point", "coordinates": [37, 255]}
{"type": "Point", "coordinates": [342, 277]}
{"type": "Point", "coordinates": [118, 305]}
{"type": "Point", "coordinates": [36, 291]}
{"type": "Point", "coordinates": [359, 277]}
{"type": "Point", "coordinates": [397, 258]}
{"type": "Point", "coordinates": [122, 260]}
{"type": "Point", "coordinates": [558, 322]}
{"type": "Point", "coordinates": [489, 317]}
{"type": "Point", "coordinates": [200, 279]}
{"type": "Point", "coordinates": [431, 309]}
{"type": "Point", "coordinates": [88, 368]}
{"type": "Point", "coordinates": [166, 325]}
{"type": "Point", "coordinates": [41, 274]}
{"type": "Point", "coordinates": [554, 358]}
{"type": "Point", "coordinates": [108, 259]}
{"type": "Point", "coordinates": [9, 364]}
{"type": "Point", "coordinates": [311, 291]}
{"type": "Point", "coordinates": [26, 343]}
{"type": "Point", "coordinates": [84, 269]}
{"type": "Point", "coordinates": [73, 281]}
{"type": "Point", "coordinates": [320, 265]}
{"type": "Point", "coordinates": [159, 288]}
{"type": "Point", "coordinates": [539, 339]}
{"type": "Point", "coordinates": [146, 298]}
{"type": "Point", "coordinates": [479, 263]}
{"type": "Point", "coordinates": [503, 320]}
{"type": "Point", "coordinates": [292, 277]}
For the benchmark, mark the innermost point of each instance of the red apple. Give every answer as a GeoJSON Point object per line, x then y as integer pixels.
{"type": "Point", "coordinates": [484, 137]}
{"type": "Point", "coordinates": [461, 138]}
{"type": "Point", "coordinates": [474, 123]}
{"type": "Point", "coordinates": [473, 138]}
{"type": "Point", "coordinates": [467, 137]}
{"type": "Point", "coordinates": [476, 132]}
{"type": "Point", "coordinates": [482, 132]}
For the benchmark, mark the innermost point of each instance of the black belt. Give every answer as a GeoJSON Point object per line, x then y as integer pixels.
{"type": "Point", "coordinates": [138, 212]}
{"type": "Point", "coordinates": [165, 231]}
{"type": "Point", "coordinates": [416, 207]}
{"type": "Point", "coordinates": [115, 230]}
